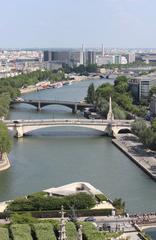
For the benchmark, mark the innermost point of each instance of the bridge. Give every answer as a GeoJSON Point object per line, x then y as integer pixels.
{"type": "Point", "coordinates": [111, 128]}
{"type": "Point", "coordinates": [39, 104]}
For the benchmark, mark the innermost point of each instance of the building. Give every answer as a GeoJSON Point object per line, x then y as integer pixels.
{"type": "Point", "coordinates": [104, 60]}
{"type": "Point", "coordinates": [117, 59]}
{"type": "Point", "coordinates": [47, 56]}
{"type": "Point", "coordinates": [69, 57]}
{"type": "Point", "coordinates": [153, 105]}
{"type": "Point", "coordinates": [131, 57]}
{"type": "Point", "coordinates": [140, 87]}
{"type": "Point", "coordinates": [90, 57]}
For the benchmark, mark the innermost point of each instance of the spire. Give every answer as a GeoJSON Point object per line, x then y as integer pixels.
{"type": "Point", "coordinates": [110, 115]}
{"type": "Point", "coordinates": [62, 232]}
{"type": "Point", "coordinates": [103, 51]}
{"type": "Point", "coordinates": [82, 55]}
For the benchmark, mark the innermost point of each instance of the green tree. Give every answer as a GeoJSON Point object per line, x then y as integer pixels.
{"type": "Point", "coordinates": [102, 106]}
{"type": "Point", "coordinates": [138, 127]}
{"type": "Point", "coordinates": [147, 137]}
{"type": "Point", "coordinates": [5, 141]}
{"type": "Point", "coordinates": [91, 94]}
{"type": "Point", "coordinates": [154, 124]}
{"type": "Point", "coordinates": [152, 91]}
{"type": "Point", "coordinates": [119, 113]}
{"type": "Point", "coordinates": [118, 203]}
{"type": "Point", "coordinates": [104, 91]}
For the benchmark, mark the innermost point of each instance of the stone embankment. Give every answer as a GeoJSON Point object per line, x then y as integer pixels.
{"type": "Point", "coordinates": [4, 163]}
{"type": "Point", "coordinates": [144, 158]}
{"type": "Point", "coordinates": [34, 88]}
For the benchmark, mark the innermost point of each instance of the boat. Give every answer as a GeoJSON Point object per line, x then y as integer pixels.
{"type": "Point", "coordinates": [67, 83]}
{"type": "Point", "coordinates": [58, 85]}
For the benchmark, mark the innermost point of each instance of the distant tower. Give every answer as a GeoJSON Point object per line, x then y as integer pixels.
{"type": "Point", "coordinates": [110, 115]}
{"type": "Point", "coordinates": [103, 51]}
{"type": "Point", "coordinates": [62, 232]}
{"type": "Point", "coordinates": [82, 55]}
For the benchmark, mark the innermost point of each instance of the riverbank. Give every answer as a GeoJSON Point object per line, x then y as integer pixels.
{"type": "Point", "coordinates": [77, 78]}
{"type": "Point", "coordinates": [144, 158]}
{"type": "Point", "coordinates": [5, 163]}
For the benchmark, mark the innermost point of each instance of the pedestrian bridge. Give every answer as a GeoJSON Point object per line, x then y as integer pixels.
{"type": "Point", "coordinates": [23, 127]}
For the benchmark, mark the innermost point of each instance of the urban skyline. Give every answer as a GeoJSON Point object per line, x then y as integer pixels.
{"type": "Point", "coordinates": [54, 24]}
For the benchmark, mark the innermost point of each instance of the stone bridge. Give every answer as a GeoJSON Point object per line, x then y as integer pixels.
{"type": "Point", "coordinates": [111, 128]}
{"type": "Point", "coordinates": [39, 104]}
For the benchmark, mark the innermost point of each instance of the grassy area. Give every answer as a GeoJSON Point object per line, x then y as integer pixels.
{"type": "Point", "coordinates": [4, 234]}
{"type": "Point", "coordinates": [43, 231]}
{"type": "Point", "coordinates": [21, 232]}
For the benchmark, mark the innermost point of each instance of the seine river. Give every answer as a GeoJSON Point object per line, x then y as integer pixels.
{"type": "Point", "coordinates": [57, 156]}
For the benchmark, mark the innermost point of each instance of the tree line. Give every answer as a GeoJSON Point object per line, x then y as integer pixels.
{"type": "Point", "coordinates": [9, 89]}
{"type": "Point", "coordinates": [146, 134]}
{"type": "Point", "coordinates": [122, 100]}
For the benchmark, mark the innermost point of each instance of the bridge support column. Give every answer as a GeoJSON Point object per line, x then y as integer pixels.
{"type": "Point", "coordinates": [19, 132]}
{"type": "Point", "coordinates": [74, 110]}
{"type": "Point", "coordinates": [39, 106]}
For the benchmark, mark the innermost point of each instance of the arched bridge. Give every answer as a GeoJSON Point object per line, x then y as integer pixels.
{"type": "Point", "coordinates": [23, 127]}
{"type": "Point", "coordinates": [39, 104]}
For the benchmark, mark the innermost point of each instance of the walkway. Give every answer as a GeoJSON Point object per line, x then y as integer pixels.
{"type": "Point", "coordinates": [144, 158]}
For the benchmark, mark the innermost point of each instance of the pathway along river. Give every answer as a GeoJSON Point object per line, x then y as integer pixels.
{"type": "Point", "coordinates": [54, 157]}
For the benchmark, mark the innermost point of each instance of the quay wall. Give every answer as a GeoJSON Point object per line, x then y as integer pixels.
{"type": "Point", "coordinates": [5, 163]}
{"type": "Point", "coordinates": [135, 159]}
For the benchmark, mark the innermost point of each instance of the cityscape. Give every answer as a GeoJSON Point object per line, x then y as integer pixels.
{"type": "Point", "coordinates": [78, 120]}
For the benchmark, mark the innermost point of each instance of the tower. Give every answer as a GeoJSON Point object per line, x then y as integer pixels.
{"type": "Point", "coordinates": [103, 51]}
{"type": "Point", "coordinates": [110, 115]}
{"type": "Point", "coordinates": [62, 232]}
{"type": "Point", "coordinates": [82, 55]}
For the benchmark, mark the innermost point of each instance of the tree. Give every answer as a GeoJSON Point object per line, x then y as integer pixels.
{"type": "Point", "coordinates": [118, 203]}
{"type": "Point", "coordinates": [119, 113]}
{"type": "Point", "coordinates": [152, 91]}
{"type": "Point", "coordinates": [105, 91]}
{"type": "Point", "coordinates": [5, 141]}
{"type": "Point", "coordinates": [102, 106]}
{"type": "Point", "coordinates": [154, 124]}
{"type": "Point", "coordinates": [121, 84]}
{"type": "Point", "coordinates": [147, 137]}
{"type": "Point", "coordinates": [91, 94]}
{"type": "Point", "coordinates": [120, 79]}
{"type": "Point", "coordinates": [138, 127]}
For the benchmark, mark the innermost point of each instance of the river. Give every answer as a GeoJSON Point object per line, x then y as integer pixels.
{"type": "Point", "coordinates": [56, 156]}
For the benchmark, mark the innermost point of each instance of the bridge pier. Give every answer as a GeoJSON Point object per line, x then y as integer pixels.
{"type": "Point", "coordinates": [74, 110]}
{"type": "Point", "coordinates": [39, 106]}
{"type": "Point", "coordinates": [19, 132]}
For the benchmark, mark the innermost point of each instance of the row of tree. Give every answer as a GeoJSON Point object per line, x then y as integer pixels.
{"type": "Point", "coordinates": [36, 203]}
{"type": "Point", "coordinates": [9, 89]}
{"type": "Point", "coordinates": [146, 135]}
{"type": "Point", "coordinates": [121, 97]}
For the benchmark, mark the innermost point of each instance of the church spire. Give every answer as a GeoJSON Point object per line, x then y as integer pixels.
{"type": "Point", "coordinates": [62, 232]}
{"type": "Point", "coordinates": [110, 115]}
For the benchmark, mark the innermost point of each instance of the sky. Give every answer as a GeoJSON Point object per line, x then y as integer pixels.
{"type": "Point", "coordinates": [69, 23]}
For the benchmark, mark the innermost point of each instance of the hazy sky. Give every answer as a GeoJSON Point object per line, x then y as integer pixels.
{"type": "Point", "coordinates": [69, 23]}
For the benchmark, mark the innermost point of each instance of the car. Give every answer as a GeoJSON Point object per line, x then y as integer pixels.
{"type": "Point", "coordinates": [90, 219]}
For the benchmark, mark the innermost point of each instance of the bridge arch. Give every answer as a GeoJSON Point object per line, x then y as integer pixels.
{"type": "Point", "coordinates": [121, 129]}
{"type": "Point", "coordinates": [124, 130]}
{"type": "Point", "coordinates": [21, 131]}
